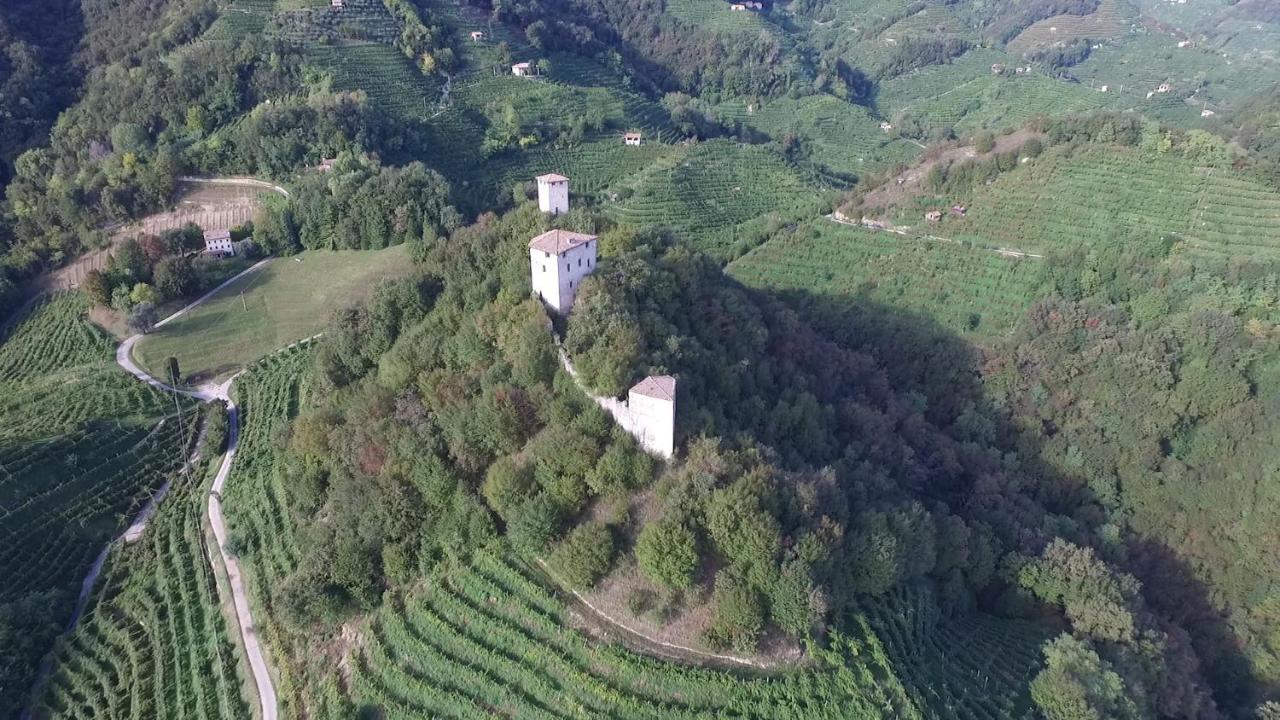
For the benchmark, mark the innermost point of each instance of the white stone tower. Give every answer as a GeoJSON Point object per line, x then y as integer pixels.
{"type": "Point", "coordinates": [558, 262]}
{"type": "Point", "coordinates": [553, 193]}
{"type": "Point", "coordinates": [651, 404]}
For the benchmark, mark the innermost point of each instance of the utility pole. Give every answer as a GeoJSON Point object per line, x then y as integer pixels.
{"type": "Point", "coordinates": [174, 374]}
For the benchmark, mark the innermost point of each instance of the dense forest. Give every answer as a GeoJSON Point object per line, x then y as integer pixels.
{"type": "Point", "coordinates": [1105, 469]}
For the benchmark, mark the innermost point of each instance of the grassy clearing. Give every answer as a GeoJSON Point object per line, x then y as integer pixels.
{"type": "Point", "coordinates": [285, 301]}
{"type": "Point", "coordinates": [829, 270]}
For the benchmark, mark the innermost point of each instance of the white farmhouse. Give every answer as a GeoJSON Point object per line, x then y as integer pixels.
{"type": "Point", "coordinates": [651, 404]}
{"type": "Point", "coordinates": [218, 242]}
{"type": "Point", "coordinates": [632, 138]}
{"type": "Point", "coordinates": [522, 69]}
{"type": "Point", "coordinates": [553, 193]}
{"type": "Point", "coordinates": [558, 262]}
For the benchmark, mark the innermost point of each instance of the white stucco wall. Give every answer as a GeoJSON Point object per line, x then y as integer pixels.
{"type": "Point", "coordinates": [553, 197]}
{"type": "Point", "coordinates": [557, 278]}
{"type": "Point", "coordinates": [652, 422]}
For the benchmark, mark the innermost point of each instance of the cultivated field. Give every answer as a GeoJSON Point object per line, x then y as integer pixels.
{"type": "Point", "coordinates": [834, 272]}
{"type": "Point", "coordinates": [211, 206]}
{"type": "Point", "coordinates": [843, 137]}
{"type": "Point", "coordinates": [284, 301]}
{"type": "Point", "coordinates": [154, 642]}
{"type": "Point", "coordinates": [489, 638]}
{"type": "Point", "coordinates": [269, 395]}
{"type": "Point", "coordinates": [1106, 195]}
{"type": "Point", "coordinates": [82, 448]}
{"type": "Point", "coordinates": [717, 195]}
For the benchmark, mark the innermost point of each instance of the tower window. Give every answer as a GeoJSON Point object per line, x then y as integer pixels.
{"type": "Point", "coordinates": [579, 262]}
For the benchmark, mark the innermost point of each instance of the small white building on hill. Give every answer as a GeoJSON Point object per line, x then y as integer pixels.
{"type": "Point", "coordinates": [651, 404]}
{"type": "Point", "coordinates": [218, 242]}
{"type": "Point", "coordinates": [522, 69]}
{"type": "Point", "coordinates": [553, 193]}
{"type": "Point", "coordinates": [558, 262]}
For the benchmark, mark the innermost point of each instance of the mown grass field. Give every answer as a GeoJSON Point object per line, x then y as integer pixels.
{"type": "Point", "coordinates": [282, 302]}
{"type": "Point", "coordinates": [832, 271]}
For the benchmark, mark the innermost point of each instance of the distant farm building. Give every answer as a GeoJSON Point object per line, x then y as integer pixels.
{"type": "Point", "coordinates": [1164, 88]}
{"type": "Point", "coordinates": [737, 7]}
{"type": "Point", "coordinates": [553, 193]}
{"type": "Point", "coordinates": [476, 36]}
{"type": "Point", "coordinates": [632, 138]}
{"type": "Point", "coordinates": [997, 68]}
{"type": "Point", "coordinates": [933, 216]}
{"type": "Point", "coordinates": [1207, 113]}
{"type": "Point", "coordinates": [558, 261]}
{"type": "Point", "coordinates": [886, 126]}
{"type": "Point", "coordinates": [522, 69]}
{"type": "Point", "coordinates": [218, 242]}
{"type": "Point", "coordinates": [1185, 44]}
{"type": "Point", "coordinates": [1104, 88]}
{"type": "Point", "coordinates": [338, 4]}
{"type": "Point", "coordinates": [327, 164]}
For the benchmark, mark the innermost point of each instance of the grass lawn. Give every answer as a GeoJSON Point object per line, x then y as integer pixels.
{"type": "Point", "coordinates": [284, 301]}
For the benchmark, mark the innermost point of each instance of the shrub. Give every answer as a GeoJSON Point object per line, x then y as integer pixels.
{"type": "Point", "coordinates": [668, 553]}
{"type": "Point", "coordinates": [535, 525]}
{"type": "Point", "coordinates": [739, 613]}
{"type": "Point", "coordinates": [584, 556]}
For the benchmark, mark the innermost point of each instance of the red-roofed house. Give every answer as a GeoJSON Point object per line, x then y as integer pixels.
{"type": "Point", "coordinates": [553, 193]}
{"type": "Point", "coordinates": [558, 262]}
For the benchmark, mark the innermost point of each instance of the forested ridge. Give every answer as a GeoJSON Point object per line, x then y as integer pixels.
{"type": "Point", "coordinates": [1100, 473]}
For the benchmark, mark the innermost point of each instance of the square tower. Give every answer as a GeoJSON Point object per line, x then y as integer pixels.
{"type": "Point", "coordinates": [652, 406]}
{"type": "Point", "coordinates": [558, 262]}
{"type": "Point", "coordinates": [553, 193]}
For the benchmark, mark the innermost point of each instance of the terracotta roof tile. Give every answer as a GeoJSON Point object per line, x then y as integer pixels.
{"type": "Point", "coordinates": [558, 241]}
{"type": "Point", "coordinates": [662, 387]}
{"type": "Point", "coordinates": [552, 177]}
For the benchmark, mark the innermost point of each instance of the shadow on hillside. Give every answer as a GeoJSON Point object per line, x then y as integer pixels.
{"type": "Point", "coordinates": [937, 372]}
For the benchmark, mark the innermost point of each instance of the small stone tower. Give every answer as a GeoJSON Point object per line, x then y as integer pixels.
{"type": "Point", "coordinates": [558, 262]}
{"type": "Point", "coordinates": [651, 404]}
{"type": "Point", "coordinates": [553, 193]}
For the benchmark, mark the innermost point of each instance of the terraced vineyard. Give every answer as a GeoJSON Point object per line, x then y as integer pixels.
{"type": "Point", "coordinates": [969, 668]}
{"type": "Point", "coordinates": [716, 15]}
{"type": "Point", "coordinates": [842, 136]}
{"type": "Point", "coordinates": [268, 394]}
{"type": "Point", "coordinates": [488, 640]}
{"type": "Point", "coordinates": [1110, 20]}
{"type": "Point", "coordinates": [382, 72]}
{"type": "Point", "coordinates": [75, 459]}
{"type": "Point", "coordinates": [717, 194]}
{"type": "Point", "coordinates": [594, 166]}
{"type": "Point", "coordinates": [51, 336]}
{"type": "Point", "coordinates": [82, 446]}
{"type": "Point", "coordinates": [1107, 195]}
{"type": "Point", "coordinates": [832, 271]}
{"type": "Point", "coordinates": [154, 643]}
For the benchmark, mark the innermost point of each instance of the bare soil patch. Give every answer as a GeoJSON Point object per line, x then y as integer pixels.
{"type": "Point", "coordinates": [208, 206]}
{"type": "Point", "coordinates": [909, 184]}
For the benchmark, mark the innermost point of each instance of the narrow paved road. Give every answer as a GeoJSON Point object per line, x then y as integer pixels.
{"type": "Point", "coordinates": [240, 599]}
